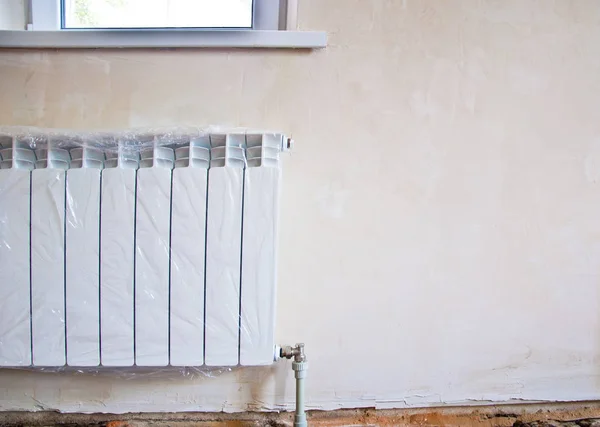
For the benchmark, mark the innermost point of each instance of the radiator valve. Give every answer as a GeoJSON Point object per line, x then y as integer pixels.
{"type": "Point", "coordinates": [297, 352]}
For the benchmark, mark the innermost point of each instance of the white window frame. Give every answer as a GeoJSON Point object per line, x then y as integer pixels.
{"type": "Point", "coordinates": [46, 15]}
{"type": "Point", "coordinates": [274, 26]}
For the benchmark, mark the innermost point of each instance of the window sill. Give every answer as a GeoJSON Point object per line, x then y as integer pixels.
{"type": "Point", "coordinates": [133, 39]}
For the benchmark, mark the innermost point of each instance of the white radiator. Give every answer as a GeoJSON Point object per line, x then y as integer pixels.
{"type": "Point", "coordinates": [164, 256]}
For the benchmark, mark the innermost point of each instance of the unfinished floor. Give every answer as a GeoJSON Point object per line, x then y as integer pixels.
{"type": "Point", "coordinates": [584, 414]}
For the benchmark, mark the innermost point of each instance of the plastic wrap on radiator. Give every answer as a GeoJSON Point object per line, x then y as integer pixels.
{"type": "Point", "coordinates": [145, 251]}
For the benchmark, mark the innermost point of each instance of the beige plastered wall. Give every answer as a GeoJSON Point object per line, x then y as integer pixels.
{"type": "Point", "coordinates": [440, 220]}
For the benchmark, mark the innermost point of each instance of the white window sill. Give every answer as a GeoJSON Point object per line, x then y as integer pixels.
{"type": "Point", "coordinates": [160, 38]}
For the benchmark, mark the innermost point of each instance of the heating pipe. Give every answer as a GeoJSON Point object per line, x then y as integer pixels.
{"type": "Point", "coordinates": [299, 366]}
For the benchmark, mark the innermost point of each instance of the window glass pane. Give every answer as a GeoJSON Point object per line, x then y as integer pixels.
{"type": "Point", "coordinates": [157, 13]}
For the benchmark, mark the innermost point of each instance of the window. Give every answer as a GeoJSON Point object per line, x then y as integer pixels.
{"type": "Point", "coordinates": [159, 24]}
{"type": "Point", "coordinates": [156, 14]}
